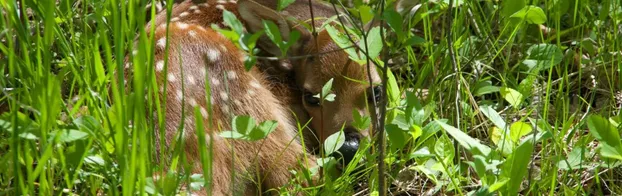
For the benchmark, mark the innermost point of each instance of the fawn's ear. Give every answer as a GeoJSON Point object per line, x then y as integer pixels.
{"type": "Point", "coordinates": [253, 13]}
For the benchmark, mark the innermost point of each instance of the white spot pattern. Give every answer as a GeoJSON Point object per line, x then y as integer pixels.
{"type": "Point", "coordinates": [213, 54]}
{"type": "Point", "coordinates": [160, 65]}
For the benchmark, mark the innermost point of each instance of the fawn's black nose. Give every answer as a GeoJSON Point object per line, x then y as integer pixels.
{"type": "Point", "coordinates": [350, 146]}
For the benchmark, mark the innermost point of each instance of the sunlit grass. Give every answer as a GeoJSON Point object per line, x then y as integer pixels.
{"type": "Point", "coordinates": [69, 125]}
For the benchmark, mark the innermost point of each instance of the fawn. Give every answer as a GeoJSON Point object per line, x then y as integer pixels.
{"type": "Point", "coordinates": [197, 52]}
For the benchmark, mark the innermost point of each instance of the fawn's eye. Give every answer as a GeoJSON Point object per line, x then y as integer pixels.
{"type": "Point", "coordinates": [376, 95]}
{"type": "Point", "coordinates": [311, 100]}
{"type": "Point", "coordinates": [311, 59]}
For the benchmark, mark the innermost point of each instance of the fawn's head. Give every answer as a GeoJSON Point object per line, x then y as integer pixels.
{"type": "Point", "coordinates": [324, 60]}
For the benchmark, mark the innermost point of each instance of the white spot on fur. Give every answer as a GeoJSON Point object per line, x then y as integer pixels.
{"type": "Point", "coordinates": [213, 54]}
{"type": "Point", "coordinates": [204, 4]}
{"type": "Point", "coordinates": [194, 7]}
{"type": "Point", "coordinates": [255, 84]}
{"type": "Point", "coordinates": [163, 26]}
{"type": "Point", "coordinates": [232, 75]}
{"type": "Point", "coordinates": [250, 93]}
{"type": "Point", "coordinates": [193, 102]}
{"type": "Point", "coordinates": [127, 65]}
{"type": "Point", "coordinates": [203, 72]}
{"type": "Point", "coordinates": [225, 109]}
{"type": "Point", "coordinates": [200, 28]}
{"type": "Point", "coordinates": [203, 112]}
{"type": "Point", "coordinates": [237, 103]}
{"type": "Point", "coordinates": [161, 89]}
{"type": "Point", "coordinates": [171, 78]}
{"type": "Point", "coordinates": [182, 25]}
{"type": "Point", "coordinates": [197, 11]}
{"type": "Point", "coordinates": [191, 80]}
{"type": "Point", "coordinates": [214, 82]}
{"type": "Point", "coordinates": [221, 1]}
{"type": "Point", "coordinates": [192, 33]}
{"type": "Point", "coordinates": [161, 42]}
{"type": "Point", "coordinates": [224, 96]}
{"type": "Point", "coordinates": [184, 14]}
{"type": "Point", "coordinates": [160, 65]}
{"type": "Point", "coordinates": [179, 95]}
{"type": "Point", "coordinates": [220, 7]}
{"type": "Point", "coordinates": [223, 48]}
{"type": "Point", "coordinates": [174, 19]}
{"type": "Point", "coordinates": [211, 100]}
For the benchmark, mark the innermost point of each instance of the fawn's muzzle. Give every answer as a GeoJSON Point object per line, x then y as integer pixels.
{"type": "Point", "coordinates": [350, 146]}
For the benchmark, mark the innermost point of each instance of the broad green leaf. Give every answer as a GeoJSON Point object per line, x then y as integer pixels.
{"type": "Point", "coordinates": [325, 161]}
{"type": "Point", "coordinates": [233, 22]}
{"type": "Point", "coordinates": [465, 140]}
{"type": "Point", "coordinates": [243, 124]}
{"type": "Point", "coordinates": [69, 135]}
{"type": "Point", "coordinates": [248, 42]}
{"type": "Point", "coordinates": [282, 4]}
{"type": "Point", "coordinates": [343, 42]}
{"type": "Point", "coordinates": [327, 88]}
{"type": "Point", "coordinates": [493, 116]}
{"type": "Point", "coordinates": [444, 148]}
{"type": "Point", "coordinates": [574, 159]}
{"type": "Point", "coordinates": [526, 86]}
{"type": "Point", "coordinates": [609, 151]}
{"type": "Point", "coordinates": [334, 142]}
{"type": "Point", "coordinates": [394, 20]}
{"type": "Point", "coordinates": [512, 96]}
{"type": "Point", "coordinates": [543, 56]}
{"type": "Point", "coordinates": [519, 129]}
{"type": "Point", "coordinates": [262, 131]}
{"type": "Point", "coordinates": [415, 40]}
{"type": "Point", "coordinates": [511, 7]}
{"type": "Point", "coordinates": [397, 136]}
{"type": "Point", "coordinates": [94, 160]}
{"type": "Point", "coordinates": [531, 14]}
{"type": "Point", "coordinates": [88, 124]}
{"type": "Point", "coordinates": [249, 61]}
{"type": "Point", "coordinates": [196, 182]}
{"type": "Point", "coordinates": [415, 131]}
{"type": "Point", "coordinates": [393, 94]}
{"type": "Point", "coordinates": [516, 166]}
{"type": "Point", "coordinates": [360, 122]}
{"type": "Point", "coordinates": [272, 31]}
{"type": "Point", "coordinates": [502, 140]}
{"type": "Point", "coordinates": [367, 14]}
{"type": "Point", "coordinates": [293, 38]}
{"type": "Point", "coordinates": [479, 165]}
{"type": "Point", "coordinates": [330, 97]}
{"type": "Point", "coordinates": [495, 135]}
{"type": "Point", "coordinates": [429, 130]}
{"type": "Point", "coordinates": [603, 131]}
{"type": "Point", "coordinates": [374, 43]}
{"type": "Point", "coordinates": [231, 135]}
{"type": "Point", "coordinates": [98, 65]}
{"type": "Point", "coordinates": [484, 87]}
{"type": "Point", "coordinates": [498, 185]}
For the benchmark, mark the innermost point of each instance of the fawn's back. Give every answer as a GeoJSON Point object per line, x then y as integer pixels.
{"type": "Point", "coordinates": [199, 56]}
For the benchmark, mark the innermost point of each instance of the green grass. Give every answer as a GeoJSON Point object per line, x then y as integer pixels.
{"type": "Point", "coordinates": [549, 73]}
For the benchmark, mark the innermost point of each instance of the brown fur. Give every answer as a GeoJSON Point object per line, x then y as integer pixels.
{"type": "Point", "coordinates": [204, 53]}
{"type": "Point", "coordinates": [270, 91]}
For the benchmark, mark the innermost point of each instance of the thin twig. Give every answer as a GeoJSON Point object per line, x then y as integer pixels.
{"type": "Point", "coordinates": [383, 109]}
